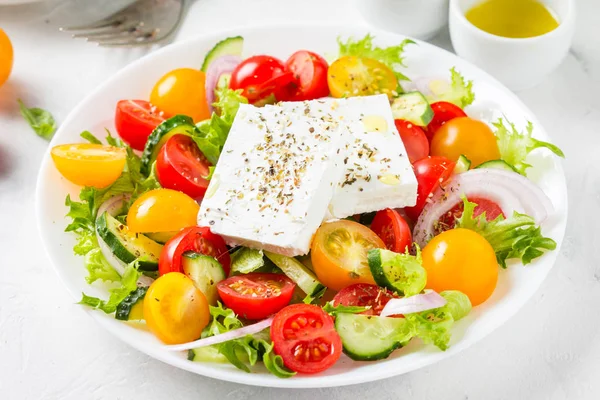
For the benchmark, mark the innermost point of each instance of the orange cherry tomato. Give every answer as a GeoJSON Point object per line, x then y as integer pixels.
{"type": "Point", "coordinates": [181, 91]}
{"type": "Point", "coordinates": [175, 310]}
{"type": "Point", "coordinates": [89, 164]}
{"type": "Point", "coordinates": [162, 210]}
{"type": "Point", "coordinates": [469, 137]}
{"type": "Point", "coordinates": [6, 57]}
{"type": "Point", "coordinates": [339, 253]}
{"type": "Point", "coordinates": [461, 259]}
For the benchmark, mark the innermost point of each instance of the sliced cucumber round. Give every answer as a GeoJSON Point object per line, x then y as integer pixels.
{"type": "Point", "coordinates": [179, 124]}
{"type": "Point", "coordinates": [205, 271]}
{"type": "Point", "coordinates": [401, 273]}
{"type": "Point", "coordinates": [299, 273]}
{"type": "Point", "coordinates": [230, 46]}
{"type": "Point", "coordinates": [370, 337]}
{"type": "Point", "coordinates": [498, 164]}
{"type": "Point", "coordinates": [412, 107]}
{"type": "Point", "coordinates": [128, 246]}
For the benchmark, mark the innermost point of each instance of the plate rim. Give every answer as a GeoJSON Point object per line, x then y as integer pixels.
{"type": "Point", "coordinates": [304, 381]}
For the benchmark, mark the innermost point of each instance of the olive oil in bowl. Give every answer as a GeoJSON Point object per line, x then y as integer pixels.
{"type": "Point", "coordinates": [513, 18]}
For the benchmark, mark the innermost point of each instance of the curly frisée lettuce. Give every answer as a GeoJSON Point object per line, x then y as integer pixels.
{"type": "Point", "coordinates": [210, 135]}
{"type": "Point", "coordinates": [458, 91]}
{"type": "Point", "coordinates": [514, 146]}
{"type": "Point", "coordinates": [243, 352]}
{"type": "Point", "coordinates": [391, 56]}
{"type": "Point", "coordinates": [516, 237]}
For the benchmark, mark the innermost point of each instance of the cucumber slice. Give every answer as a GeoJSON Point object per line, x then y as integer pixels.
{"type": "Point", "coordinates": [296, 271]}
{"type": "Point", "coordinates": [125, 307]}
{"type": "Point", "coordinates": [205, 271]}
{"type": "Point", "coordinates": [369, 337]}
{"type": "Point", "coordinates": [401, 273]}
{"type": "Point", "coordinates": [179, 124]}
{"type": "Point", "coordinates": [206, 354]}
{"type": "Point", "coordinates": [128, 246]}
{"type": "Point", "coordinates": [462, 165]}
{"type": "Point", "coordinates": [230, 46]}
{"type": "Point", "coordinates": [498, 164]}
{"type": "Point", "coordinates": [161, 237]}
{"type": "Point", "coordinates": [412, 107]}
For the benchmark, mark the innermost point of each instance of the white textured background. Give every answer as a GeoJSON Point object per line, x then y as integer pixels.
{"type": "Point", "coordinates": [49, 349]}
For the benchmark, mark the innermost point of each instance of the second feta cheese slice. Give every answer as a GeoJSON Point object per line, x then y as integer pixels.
{"type": "Point", "coordinates": [274, 180]}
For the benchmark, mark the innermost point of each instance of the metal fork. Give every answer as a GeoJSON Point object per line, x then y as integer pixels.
{"type": "Point", "coordinates": [141, 23]}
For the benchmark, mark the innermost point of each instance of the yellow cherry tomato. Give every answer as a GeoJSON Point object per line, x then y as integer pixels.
{"type": "Point", "coordinates": [181, 91]}
{"type": "Point", "coordinates": [175, 310]}
{"type": "Point", "coordinates": [89, 164]}
{"type": "Point", "coordinates": [162, 210]}
{"type": "Point", "coordinates": [357, 76]}
{"type": "Point", "coordinates": [6, 57]}
{"type": "Point", "coordinates": [339, 253]}
{"type": "Point", "coordinates": [467, 136]}
{"type": "Point", "coordinates": [461, 259]}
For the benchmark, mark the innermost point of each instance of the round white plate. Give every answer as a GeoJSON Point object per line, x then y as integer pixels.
{"type": "Point", "coordinates": [515, 287]}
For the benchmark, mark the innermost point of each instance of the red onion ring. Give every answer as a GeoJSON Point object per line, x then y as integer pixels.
{"type": "Point", "coordinates": [413, 304]}
{"type": "Point", "coordinates": [223, 337]}
{"type": "Point", "coordinates": [511, 191]}
{"type": "Point", "coordinates": [220, 66]}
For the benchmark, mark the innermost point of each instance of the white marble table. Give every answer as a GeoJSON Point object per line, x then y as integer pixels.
{"type": "Point", "coordinates": [49, 348]}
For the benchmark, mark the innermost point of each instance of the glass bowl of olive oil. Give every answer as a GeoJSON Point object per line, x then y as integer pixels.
{"type": "Point", "coordinates": [520, 42]}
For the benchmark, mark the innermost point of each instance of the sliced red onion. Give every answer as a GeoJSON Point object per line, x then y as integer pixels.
{"type": "Point", "coordinates": [413, 304]}
{"type": "Point", "coordinates": [224, 337]}
{"type": "Point", "coordinates": [511, 191]}
{"type": "Point", "coordinates": [220, 66]}
{"type": "Point", "coordinates": [113, 206]}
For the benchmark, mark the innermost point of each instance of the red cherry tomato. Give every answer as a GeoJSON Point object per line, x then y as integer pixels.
{"type": "Point", "coordinates": [364, 295]}
{"type": "Point", "coordinates": [442, 113]}
{"type": "Point", "coordinates": [256, 296]}
{"type": "Point", "coordinates": [304, 336]}
{"type": "Point", "coordinates": [392, 229]}
{"type": "Point", "coordinates": [491, 209]}
{"type": "Point", "coordinates": [197, 239]}
{"type": "Point", "coordinates": [310, 74]}
{"type": "Point", "coordinates": [414, 139]}
{"type": "Point", "coordinates": [135, 120]}
{"type": "Point", "coordinates": [430, 173]}
{"type": "Point", "coordinates": [261, 77]}
{"type": "Point", "coordinates": [182, 166]}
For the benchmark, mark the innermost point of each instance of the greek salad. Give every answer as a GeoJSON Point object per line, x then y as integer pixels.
{"type": "Point", "coordinates": [286, 212]}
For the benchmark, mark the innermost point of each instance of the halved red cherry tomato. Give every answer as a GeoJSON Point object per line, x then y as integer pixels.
{"type": "Point", "coordinates": [135, 120]}
{"type": "Point", "coordinates": [414, 139]}
{"type": "Point", "coordinates": [261, 77]}
{"type": "Point", "coordinates": [442, 113]}
{"type": "Point", "coordinates": [430, 173]}
{"type": "Point", "coordinates": [256, 296]}
{"type": "Point", "coordinates": [491, 209]}
{"type": "Point", "coordinates": [182, 166]}
{"type": "Point", "coordinates": [392, 229]}
{"type": "Point", "coordinates": [364, 295]}
{"type": "Point", "coordinates": [197, 239]}
{"type": "Point", "coordinates": [304, 336]}
{"type": "Point", "coordinates": [310, 74]}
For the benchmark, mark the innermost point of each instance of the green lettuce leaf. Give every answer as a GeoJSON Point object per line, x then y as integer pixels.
{"type": "Point", "coordinates": [128, 284]}
{"type": "Point", "coordinates": [458, 304]}
{"type": "Point", "coordinates": [332, 310]}
{"type": "Point", "coordinates": [89, 136]}
{"type": "Point", "coordinates": [98, 267]}
{"type": "Point", "coordinates": [245, 260]}
{"type": "Point", "coordinates": [211, 135]}
{"type": "Point", "coordinates": [514, 146]}
{"type": "Point", "coordinates": [459, 91]}
{"type": "Point", "coordinates": [516, 237]}
{"type": "Point", "coordinates": [391, 56]}
{"type": "Point", "coordinates": [41, 121]}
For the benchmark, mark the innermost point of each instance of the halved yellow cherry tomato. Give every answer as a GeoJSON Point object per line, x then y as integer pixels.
{"type": "Point", "coordinates": [467, 136]}
{"type": "Point", "coordinates": [89, 164]}
{"type": "Point", "coordinates": [357, 76]}
{"type": "Point", "coordinates": [181, 91]}
{"type": "Point", "coordinates": [162, 210]}
{"type": "Point", "coordinates": [6, 57]}
{"type": "Point", "coordinates": [461, 259]}
{"type": "Point", "coordinates": [339, 253]}
{"type": "Point", "coordinates": [175, 310]}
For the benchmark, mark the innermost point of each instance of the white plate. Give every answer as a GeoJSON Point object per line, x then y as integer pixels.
{"type": "Point", "coordinates": [516, 285]}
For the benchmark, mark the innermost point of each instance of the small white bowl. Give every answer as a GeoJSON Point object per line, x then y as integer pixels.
{"type": "Point", "coordinates": [421, 19]}
{"type": "Point", "coordinates": [518, 63]}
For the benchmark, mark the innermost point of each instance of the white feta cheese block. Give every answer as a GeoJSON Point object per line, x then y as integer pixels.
{"type": "Point", "coordinates": [377, 171]}
{"type": "Point", "coordinates": [274, 180]}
